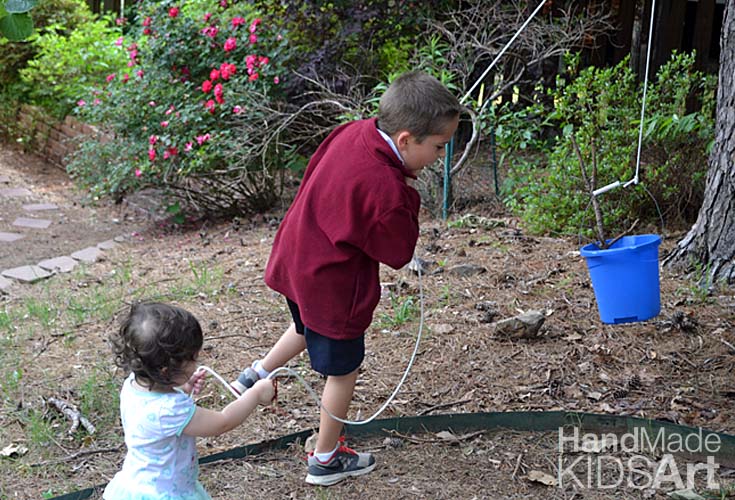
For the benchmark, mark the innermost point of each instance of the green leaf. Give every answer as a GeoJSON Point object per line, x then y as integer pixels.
{"type": "Point", "coordinates": [16, 27]}
{"type": "Point", "coordinates": [19, 6]}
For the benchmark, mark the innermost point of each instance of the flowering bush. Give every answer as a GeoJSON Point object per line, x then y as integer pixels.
{"type": "Point", "coordinates": [194, 73]}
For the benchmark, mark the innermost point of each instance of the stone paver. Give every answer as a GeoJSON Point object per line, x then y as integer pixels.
{"type": "Point", "coordinates": [88, 255]}
{"type": "Point", "coordinates": [32, 223]}
{"type": "Point", "coordinates": [27, 274]}
{"type": "Point", "coordinates": [8, 237]}
{"type": "Point", "coordinates": [4, 283]}
{"type": "Point", "coordinates": [107, 245]}
{"type": "Point", "coordinates": [62, 264]}
{"type": "Point", "coordinates": [4, 179]}
{"type": "Point", "coordinates": [15, 192]}
{"type": "Point", "coordinates": [33, 207]}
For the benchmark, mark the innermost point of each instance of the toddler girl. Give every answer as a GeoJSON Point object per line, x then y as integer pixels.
{"type": "Point", "coordinates": [159, 344]}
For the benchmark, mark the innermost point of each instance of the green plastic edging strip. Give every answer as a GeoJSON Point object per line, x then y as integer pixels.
{"type": "Point", "coordinates": [463, 422]}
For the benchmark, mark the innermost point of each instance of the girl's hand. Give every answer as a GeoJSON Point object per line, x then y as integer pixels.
{"type": "Point", "coordinates": [265, 390]}
{"type": "Point", "coordinates": [194, 385]}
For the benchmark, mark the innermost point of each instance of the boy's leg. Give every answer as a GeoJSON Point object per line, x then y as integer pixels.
{"type": "Point", "coordinates": [336, 398]}
{"type": "Point", "coordinates": [289, 345]}
{"type": "Point", "coordinates": [331, 462]}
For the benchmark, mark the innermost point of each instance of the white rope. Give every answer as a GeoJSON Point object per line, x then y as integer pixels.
{"type": "Point", "coordinates": [500, 54]}
{"type": "Point", "coordinates": [636, 178]}
{"type": "Point", "coordinates": [313, 393]}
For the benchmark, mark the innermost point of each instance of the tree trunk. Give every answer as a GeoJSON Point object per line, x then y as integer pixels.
{"type": "Point", "coordinates": [711, 241]}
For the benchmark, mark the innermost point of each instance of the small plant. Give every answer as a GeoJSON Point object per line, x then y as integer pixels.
{"type": "Point", "coordinates": [41, 310]}
{"type": "Point", "coordinates": [404, 310]}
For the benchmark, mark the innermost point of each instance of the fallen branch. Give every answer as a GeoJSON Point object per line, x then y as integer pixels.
{"type": "Point", "coordinates": [442, 405]}
{"type": "Point", "coordinates": [77, 455]}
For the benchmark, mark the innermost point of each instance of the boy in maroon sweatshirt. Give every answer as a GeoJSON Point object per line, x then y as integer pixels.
{"type": "Point", "coordinates": [354, 210]}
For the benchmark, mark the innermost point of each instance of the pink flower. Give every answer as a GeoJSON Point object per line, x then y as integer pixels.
{"type": "Point", "coordinates": [237, 21]}
{"type": "Point", "coordinates": [96, 102]}
{"type": "Point", "coordinates": [120, 21]}
{"type": "Point", "coordinates": [237, 109]}
{"type": "Point", "coordinates": [218, 92]}
{"type": "Point", "coordinates": [110, 77]}
{"type": "Point", "coordinates": [206, 86]}
{"type": "Point", "coordinates": [254, 24]}
{"type": "Point", "coordinates": [151, 103]}
{"type": "Point", "coordinates": [164, 124]}
{"type": "Point", "coordinates": [230, 44]}
{"type": "Point", "coordinates": [210, 106]}
{"type": "Point", "coordinates": [131, 64]}
{"type": "Point", "coordinates": [138, 173]}
{"type": "Point", "coordinates": [170, 110]}
{"type": "Point", "coordinates": [173, 12]}
{"type": "Point", "coordinates": [250, 62]}
{"type": "Point", "coordinates": [152, 140]}
{"type": "Point", "coordinates": [201, 139]}
{"type": "Point", "coordinates": [210, 31]}
{"type": "Point", "coordinates": [214, 74]}
{"type": "Point", "coordinates": [226, 70]}
{"type": "Point", "coordinates": [253, 77]}
{"type": "Point", "coordinates": [188, 146]}
{"type": "Point", "coordinates": [253, 38]}
{"type": "Point", "coordinates": [223, 4]}
{"type": "Point", "coordinates": [151, 154]}
{"type": "Point", "coordinates": [207, 16]}
{"type": "Point", "coordinates": [139, 73]}
{"type": "Point", "coordinates": [125, 78]}
{"type": "Point", "coordinates": [147, 21]}
{"type": "Point", "coordinates": [81, 103]}
{"type": "Point", "coordinates": [263, 60]}
{"type": "Point", "coordinates": [119, 42]}
{"type": "Point", "coordinates": [276, 80]}
{"type": "Point", "coordinates": [147, 31]}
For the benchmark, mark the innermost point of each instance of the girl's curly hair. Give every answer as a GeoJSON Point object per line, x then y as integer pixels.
{"type": "Point", "coordinates": [154, 342]}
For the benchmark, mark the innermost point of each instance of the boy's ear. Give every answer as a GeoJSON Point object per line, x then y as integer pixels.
{"type": "Point", "coordinates": [402, 138]}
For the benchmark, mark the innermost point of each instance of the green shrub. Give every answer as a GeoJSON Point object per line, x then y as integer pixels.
{"type": "Point", "coordinates": [66, 15]}
{"type": "Point", "coordinates": [188, 114]}
{"type": "Point", "coordinates": [67, 67]}
{"type": "Point", "coordinates": [599, 109]}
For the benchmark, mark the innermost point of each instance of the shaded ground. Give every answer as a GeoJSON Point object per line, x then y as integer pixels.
{"type": "Point", "coordinates": [74, 225]}
{"type": "Point", "coordinates": [677, 367]}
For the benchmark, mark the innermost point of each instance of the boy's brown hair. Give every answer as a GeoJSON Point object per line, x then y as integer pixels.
{"type": "Point", "coordinates": [419, 103]}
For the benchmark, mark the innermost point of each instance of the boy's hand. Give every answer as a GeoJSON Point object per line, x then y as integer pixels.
{"type": "Point", "coordinates": [265, 390]}
{"type": "Point", "coordinates": [194, 385]}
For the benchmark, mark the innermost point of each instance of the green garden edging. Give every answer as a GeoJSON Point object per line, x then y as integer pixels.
{"type": "Point", "coordinates": [462, 422]}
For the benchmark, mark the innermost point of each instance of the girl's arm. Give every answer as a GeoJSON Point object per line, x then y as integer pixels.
{"type": "Point", "coordinates": [206, 423]}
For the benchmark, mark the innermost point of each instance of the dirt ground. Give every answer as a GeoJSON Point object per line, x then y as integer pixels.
{"type": "Point", "coordinates": [676, 367]}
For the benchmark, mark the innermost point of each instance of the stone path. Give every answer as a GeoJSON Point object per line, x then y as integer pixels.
{"type": "Point", "coordinates": [35, 219]}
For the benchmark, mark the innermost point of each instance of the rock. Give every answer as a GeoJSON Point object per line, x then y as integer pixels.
{"type": "Point", "coordinates": [526, 325]}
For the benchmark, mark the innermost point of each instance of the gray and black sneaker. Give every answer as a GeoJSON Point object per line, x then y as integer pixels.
{"type": "Point", "coordinates": [245, 380]}
{"type": "Point", "coordinates": [344, 463]}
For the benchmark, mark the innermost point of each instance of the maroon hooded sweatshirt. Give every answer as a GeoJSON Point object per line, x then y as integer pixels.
{"type": "Point", "coordinates": [353, 210]}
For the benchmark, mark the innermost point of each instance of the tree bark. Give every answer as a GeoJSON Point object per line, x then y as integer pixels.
{"type": "Point", "coordinates": [710, 243]}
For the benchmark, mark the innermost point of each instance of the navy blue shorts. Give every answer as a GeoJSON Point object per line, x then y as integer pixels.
{"type": "Point", "coordinates": [329, 356]}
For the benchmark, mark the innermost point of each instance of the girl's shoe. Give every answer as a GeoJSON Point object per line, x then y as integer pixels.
{"type": "Point", "coordinates": [245, 380]}
{"type": "Point", "coordinates": [344, 463]}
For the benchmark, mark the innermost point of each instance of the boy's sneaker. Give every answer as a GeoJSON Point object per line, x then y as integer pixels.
{"type": "Point", "coordinates": [344, 463]}
{"type": "Point", "coordinates": [245, 380]}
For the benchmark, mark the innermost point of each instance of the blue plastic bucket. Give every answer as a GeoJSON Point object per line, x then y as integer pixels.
{"type": "Point", "coordinates": [625, 278]}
